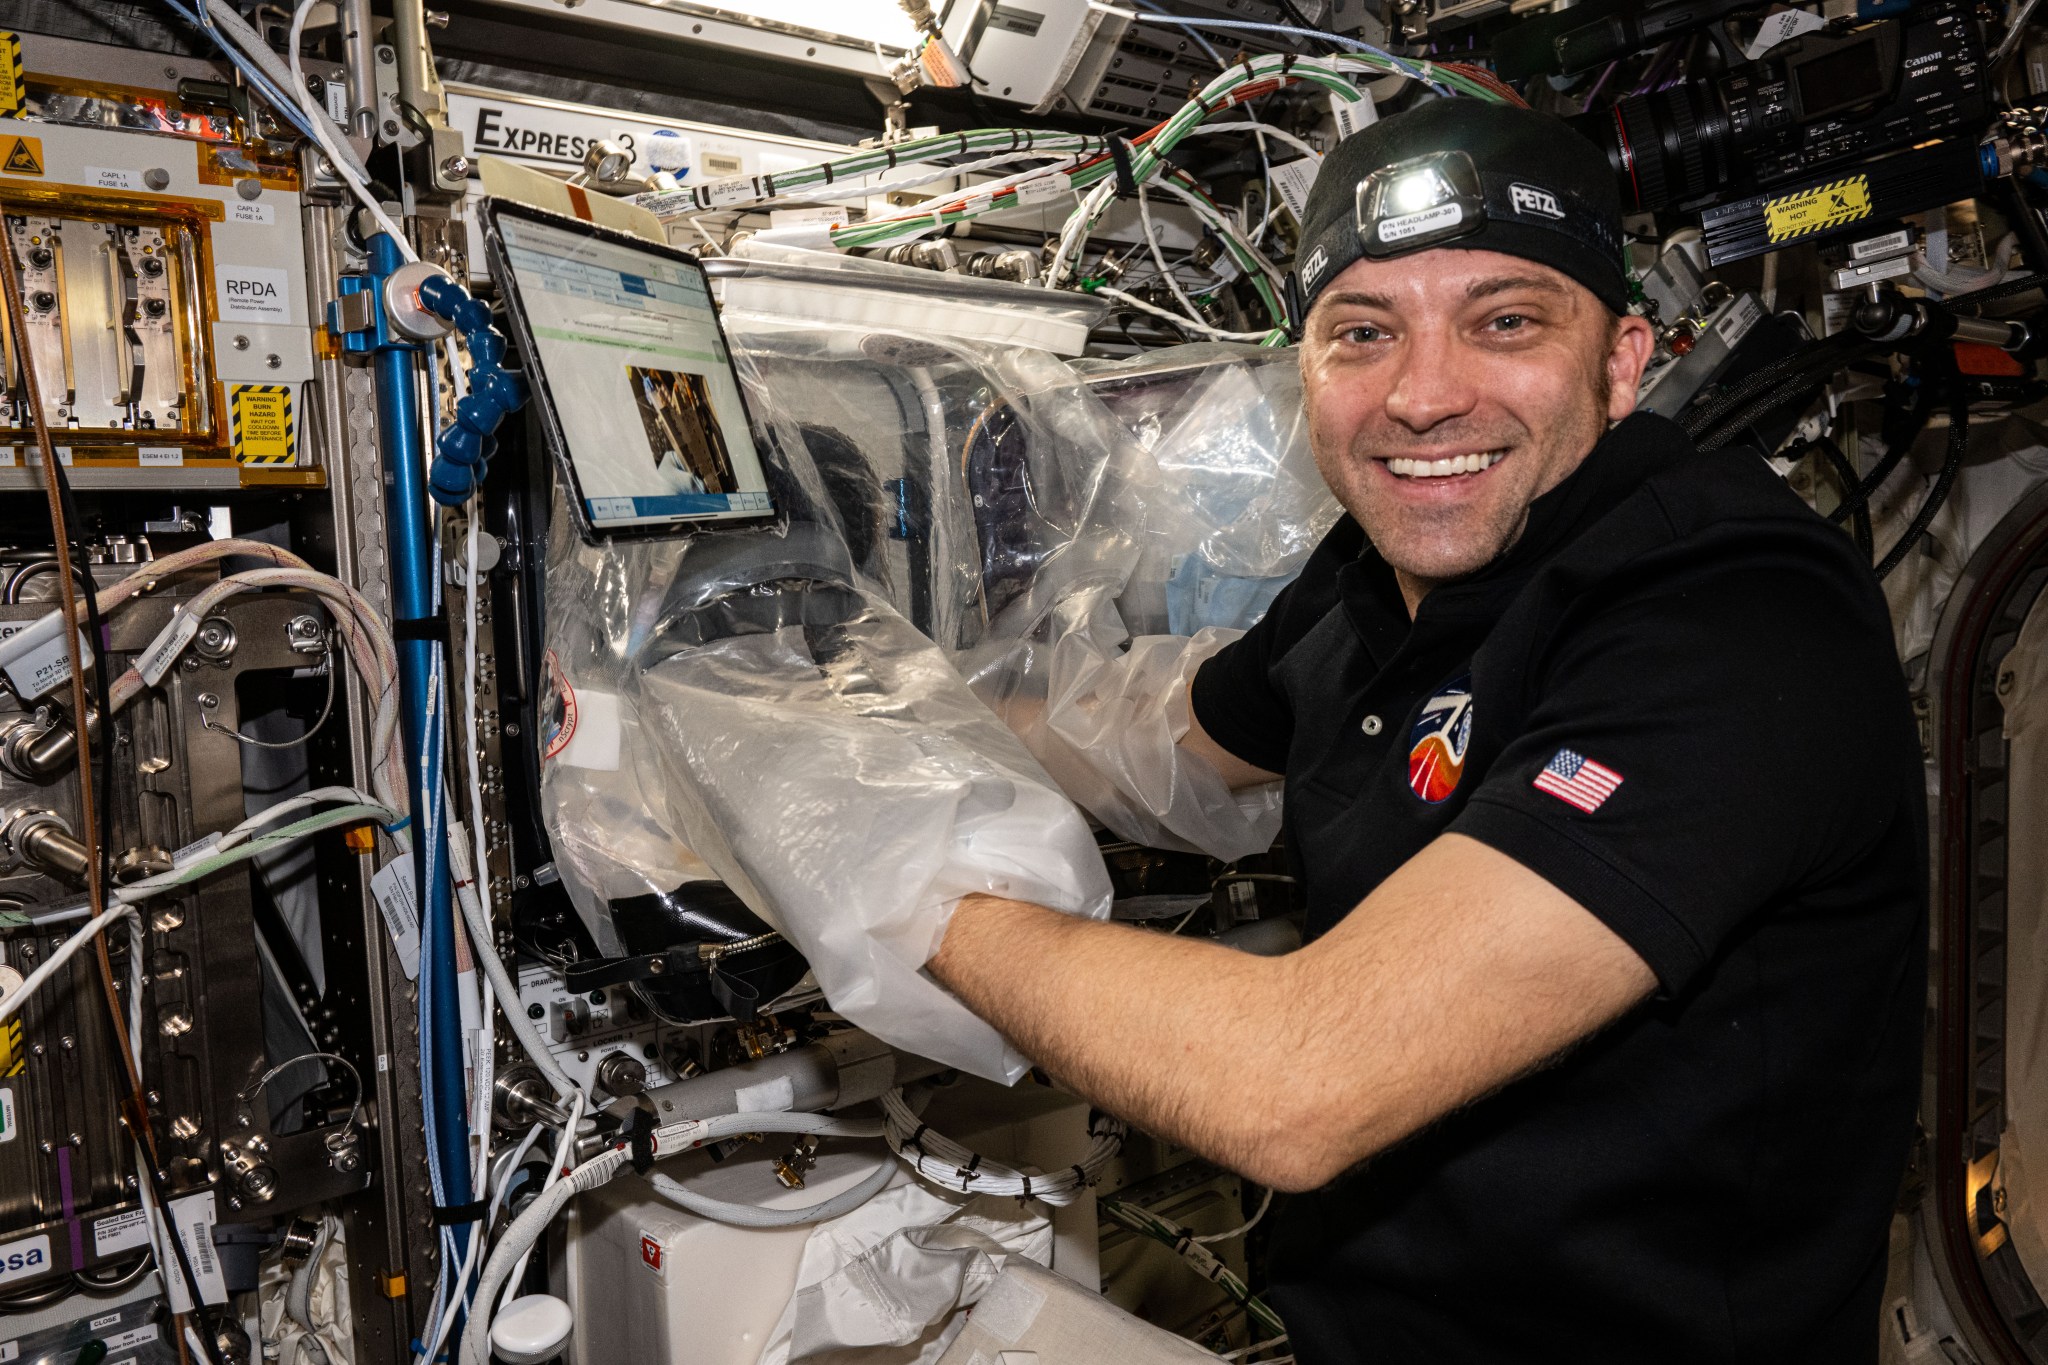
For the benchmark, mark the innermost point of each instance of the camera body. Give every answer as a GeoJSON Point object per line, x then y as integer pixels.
{"type": "Point", "coordinates": [1821, 101]}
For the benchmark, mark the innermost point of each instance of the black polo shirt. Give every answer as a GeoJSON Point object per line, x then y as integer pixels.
{"type": "Point", "coordinates": [1676, 699]}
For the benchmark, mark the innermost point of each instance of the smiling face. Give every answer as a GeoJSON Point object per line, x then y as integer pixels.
{"type": "Point", "coordinates": [1449, 389]}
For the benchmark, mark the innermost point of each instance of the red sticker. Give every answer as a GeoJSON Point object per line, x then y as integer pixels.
{"type": "Point", "coordinates": [650, 1252]}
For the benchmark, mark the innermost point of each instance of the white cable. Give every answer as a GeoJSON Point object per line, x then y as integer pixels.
{"type": "Point", "coordinates": [1194, 315]}
{"type": "Point", "coordinates": [128, 897]}
{"type": "Point", "coordinates": [1204, 328]}
{"type": "Point", "coordinates": [328, 136]}
{"type": "Point", "coordinates": [945, 1163]}
{"type": "Point", "coordinates": [755, 1216]}
{"type": "Point", "coordinates": [1241, 1229]}
{"type": "Point", "coordinates": [289, 80]}
{"type": "Point", "coordinates": [565, 1151]}
{"type": "Point", "coordinates": [1258, 127]}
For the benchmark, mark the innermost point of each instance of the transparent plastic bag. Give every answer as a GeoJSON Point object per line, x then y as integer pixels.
{"type": "Point", "coordinates": [830, 765]}
{"type": "Point", "coordinates": [1233, 502]}
{"type": "Point", "coordinates": [1106, 720]}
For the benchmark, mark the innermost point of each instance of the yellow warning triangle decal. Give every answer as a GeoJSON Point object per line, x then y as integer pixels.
{"type": "Point", "coordinates": [22, 160]}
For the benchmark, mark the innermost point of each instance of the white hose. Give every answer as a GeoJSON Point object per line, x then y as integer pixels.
{"type": "Point", "coordinates": [483, 940]}
{"type": "Point", "coordinates": [754, 1216]}
{"type": "Point", "coordinates": [519, 1239]}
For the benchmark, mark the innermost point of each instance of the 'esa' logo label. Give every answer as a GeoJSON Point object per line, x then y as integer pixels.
{"type": "Point", "coordinates": [19, 1260]}
{"type": "Point", "coordinates": [1529, 199]}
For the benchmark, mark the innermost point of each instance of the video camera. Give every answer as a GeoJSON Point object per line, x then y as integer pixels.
{"type": "Point", "coordinates": [1819, 101]}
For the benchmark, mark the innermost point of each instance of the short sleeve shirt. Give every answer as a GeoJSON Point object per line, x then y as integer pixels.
{"type": "Point", "coordinates": [1676, 699]}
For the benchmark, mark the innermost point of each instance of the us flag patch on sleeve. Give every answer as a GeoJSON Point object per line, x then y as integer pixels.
{"type": "Point", "coordinates": [1578, 780]}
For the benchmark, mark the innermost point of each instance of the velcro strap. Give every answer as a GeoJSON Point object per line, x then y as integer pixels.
{"type": "Point", "coordinates": [1120, 153]}
{"type": "Point", "coordinates": [455, 1215]}
{"type": "Point", "coordinates": [420, 628]}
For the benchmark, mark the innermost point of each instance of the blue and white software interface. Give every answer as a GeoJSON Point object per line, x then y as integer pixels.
{"type": "Point", "coordinates": [639, 379]}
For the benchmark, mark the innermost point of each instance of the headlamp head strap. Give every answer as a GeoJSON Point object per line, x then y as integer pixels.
{"type": "Point", "coordinates": [1441, 198]}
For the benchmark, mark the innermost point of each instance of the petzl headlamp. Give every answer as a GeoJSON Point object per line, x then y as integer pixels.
{"type": "Point", "coordinates": [1419, 203]}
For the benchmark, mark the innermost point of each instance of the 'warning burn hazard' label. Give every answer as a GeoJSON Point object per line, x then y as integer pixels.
{"type": "Point", "coordinates": [1818, 209]}
{"type": "Point", "coordinates": [264, 430]}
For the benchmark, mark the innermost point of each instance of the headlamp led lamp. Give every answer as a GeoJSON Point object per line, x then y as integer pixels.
{"type": "Point", "coordinates": [1419, 203]}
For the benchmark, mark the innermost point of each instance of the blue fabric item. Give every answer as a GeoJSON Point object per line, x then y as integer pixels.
{"type": "Point", "coordinates": [1197, 596]}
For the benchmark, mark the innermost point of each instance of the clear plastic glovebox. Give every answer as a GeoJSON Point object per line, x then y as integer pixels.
{"type": "Point", "coordinates": [809, 713]}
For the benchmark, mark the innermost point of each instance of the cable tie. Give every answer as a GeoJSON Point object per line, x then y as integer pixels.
{"type": "Point", "coordinates": [827, 169]}
{"type": "Point", "coordinates": [963, 144]}
{"type": "Point", "coordinates": [1080, 1176]}
{"type": "Point", "coordinates": [890, 152]}
{"type": "Point", "coordinates": [1027, 1186]}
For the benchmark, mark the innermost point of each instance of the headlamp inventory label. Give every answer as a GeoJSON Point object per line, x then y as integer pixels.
{"type": "Point", "coordinates": [1416, 224]}
{"type": "Point", "coordinates": [1817, 210]}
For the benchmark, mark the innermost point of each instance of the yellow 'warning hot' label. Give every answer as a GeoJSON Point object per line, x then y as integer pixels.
{"type": "Point", "coordinates": [23, 155]}
{"type": "Point", "coordinates": [1814, 210]}
{"type": "Point", "coordinates": [264, 432]}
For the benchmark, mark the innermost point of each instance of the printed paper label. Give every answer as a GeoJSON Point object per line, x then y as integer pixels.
{"type": "Point", "coordinates": [392, 885]}
{"type": "Point", "coordinates": [242, 211]}
{"type": "Point", "coordinates": [160, 455]}
{"type": "Point", "coordinates": [1040, 190]}
{"type": "Point", "coordinates": [1292, 182]}
{"type": "Point", "coordinates": [254, 293]}
{"type": "Point", "coordinates": [46, 666]}
{"type": "Point", "coordinates": [113, 178]}
{"type": "Point", "coordinates": [120, 1232]}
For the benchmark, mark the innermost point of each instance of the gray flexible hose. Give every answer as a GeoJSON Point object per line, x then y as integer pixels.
{"type": "Point", "coordinates": [754, 1216]}
{"type": "Point", "coordinates": [525, 1230]}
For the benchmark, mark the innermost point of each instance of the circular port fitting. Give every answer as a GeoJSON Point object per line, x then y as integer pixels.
{"type": "Point", "coordinates": [621, 1075]}
{"type": "Point", "coordinates": [39, 258]}
{"type": "Point", "coordinates": [137, 863]}
{"type": "Point", "coordinates": [409, 317]}
{"type": "Point", "coordinates": [43, 300]}
{"type": "Point", "coordinates": [215, 640]}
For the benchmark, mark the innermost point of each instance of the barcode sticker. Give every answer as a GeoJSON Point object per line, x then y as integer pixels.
{"type": "Point", "coordinates": [392, 885]}
{"type": "Point", "coordinates": [192, 1217]}
{"type": "Point", "coordinates": [1353, 115]}
{"type": "Point", "coordinates": [1292, 182]}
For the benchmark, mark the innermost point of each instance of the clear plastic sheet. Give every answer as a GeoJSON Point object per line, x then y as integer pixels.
{"type": "Point", "coordinates": [1106, 722]}
{"type": "Point", "coordinates": [1233, 502]}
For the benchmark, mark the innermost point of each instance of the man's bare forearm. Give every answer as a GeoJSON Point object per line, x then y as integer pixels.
{"type": "Point", "coordinates": [1162, 1031]}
